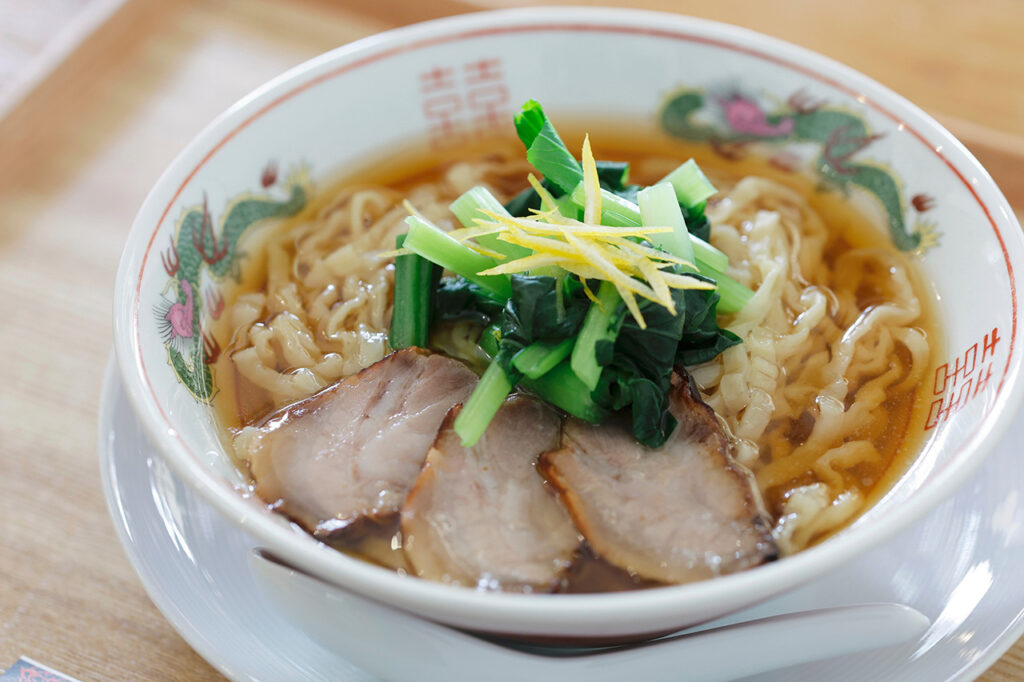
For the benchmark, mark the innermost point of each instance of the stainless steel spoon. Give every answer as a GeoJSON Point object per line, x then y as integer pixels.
{"type": "Point", "coordinates": [399, 646]}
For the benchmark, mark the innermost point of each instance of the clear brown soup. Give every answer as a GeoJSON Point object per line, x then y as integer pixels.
{"type": "Point", "coordinates": [897, 440]}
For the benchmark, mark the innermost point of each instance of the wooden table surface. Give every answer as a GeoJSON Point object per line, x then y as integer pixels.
{"type": "Point", "coordinates": [79, 154]}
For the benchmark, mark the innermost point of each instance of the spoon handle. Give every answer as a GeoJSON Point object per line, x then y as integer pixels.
{"type": "Point", "coordinates": [757, 646]}
{"type": "Point", "coordinates": [399, 646]}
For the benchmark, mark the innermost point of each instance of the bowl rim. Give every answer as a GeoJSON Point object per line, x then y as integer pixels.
{"type": "Point", "coordinates": [556, 611]}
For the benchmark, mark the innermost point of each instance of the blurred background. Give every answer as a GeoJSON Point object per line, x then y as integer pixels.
{"type": "Point", "coordinates": [97, 97]}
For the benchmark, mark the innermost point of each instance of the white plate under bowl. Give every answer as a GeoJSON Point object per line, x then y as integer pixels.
{"type": "Point", "coordinates": [960, 566]}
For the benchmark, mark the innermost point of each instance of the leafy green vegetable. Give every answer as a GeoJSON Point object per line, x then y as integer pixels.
{"type": "Point", "coordinates": [545, 149]}
{"type": "Point", "coordinates": [559, 386]}
{"type": "Point", "coordinates": [519, 206]}
{"type": "Point", "coordinates": [702, 338]}
{"type": "Point", "coordinates": [696, 222]}
{"type": "Point", "coordinates": [457, 298]}
{"type": "Point", "coordinates": [637, 368]}
{"type": "Point", "coordinates": [614, 176]}
{"type": "Point", "coordinates": [544, 333]}
{"type": "Point", "coordinates": [638, 372]}
{"type": "Point", "coordinates": [535, 314]}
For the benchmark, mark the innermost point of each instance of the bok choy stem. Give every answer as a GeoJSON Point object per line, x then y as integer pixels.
{"type": "Point", "coordinates": [559, 386]}
{"type": "Point", "coordinates": [539, 358]}
{"type": "Point", "coordinates": [708, 257]}
{"type": "Point", "coordinates": [470, 207]}
{"type": "Point", "coordinates": [562, 388]}
{"type": "Point", "coordinates": [435, 245]}
{"type": "Point", "coordinates": [482, 404]}
{"type": "Point", "coordinates": [734, 296]}
{"type": "Point", "coordinates": [691, 186]}
{"type": "Point", "coordinates": [600, 324]}
{"type": "Point", "coordinates": [660, 208]}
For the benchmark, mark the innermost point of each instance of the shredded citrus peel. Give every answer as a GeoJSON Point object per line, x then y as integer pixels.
{"type": "Point", "coordinates": [547, 201]}
{"type": "Point", "coordinates": [591, 186]}
{"type": "Point", "coordinates": [584, 248]}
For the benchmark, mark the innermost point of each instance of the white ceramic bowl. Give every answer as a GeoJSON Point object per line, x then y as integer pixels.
{"type": "Point", "coordinates": [456, 77]}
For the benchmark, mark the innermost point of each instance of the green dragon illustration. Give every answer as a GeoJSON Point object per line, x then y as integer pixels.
{"type": "Point", "coordinates": [840, 134]}
{"type": "Point", "coordinates": [198, 246]}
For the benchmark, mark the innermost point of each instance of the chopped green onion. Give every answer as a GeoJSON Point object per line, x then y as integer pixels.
{"type": "Point", "coordinates": [469, 207]}
{"type": "Point", "coordinates": [415, 281]}
{"type": "Point", "coordinates": [482, 404]}
{"type": "Point", "coordinates": [691, 185]}
{"type": "Point", "coordinates": [539, 358]}
{"type": "Point", "coordinates": [600, 324]}
{"type": "Point", "coordinates": [438, 247]}
{"type": "Point", "coordinates": [660, 208]}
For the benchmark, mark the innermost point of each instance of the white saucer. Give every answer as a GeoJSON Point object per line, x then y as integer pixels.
{"type": "Point", "coordinates": [960, 566]}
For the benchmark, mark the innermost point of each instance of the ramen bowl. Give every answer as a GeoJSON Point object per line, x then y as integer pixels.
{"type": "Point", "coordinates": [446, 82]}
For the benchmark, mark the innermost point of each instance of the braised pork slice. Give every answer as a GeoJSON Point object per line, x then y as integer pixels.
{"type": "Point", "coordinates": [482, 516]}
{"type": "Point", "coordinates": [353, 451]}
{"type": "Point", "coordinates": [680, 513]}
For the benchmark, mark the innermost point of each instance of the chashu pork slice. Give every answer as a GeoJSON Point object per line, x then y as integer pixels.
{"type": "Point", "coordinates": [680, 513]}
{"type": "Point", "coordinates": [482, 516]}
{"type": "Point", "coordinates": [353, 451]}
